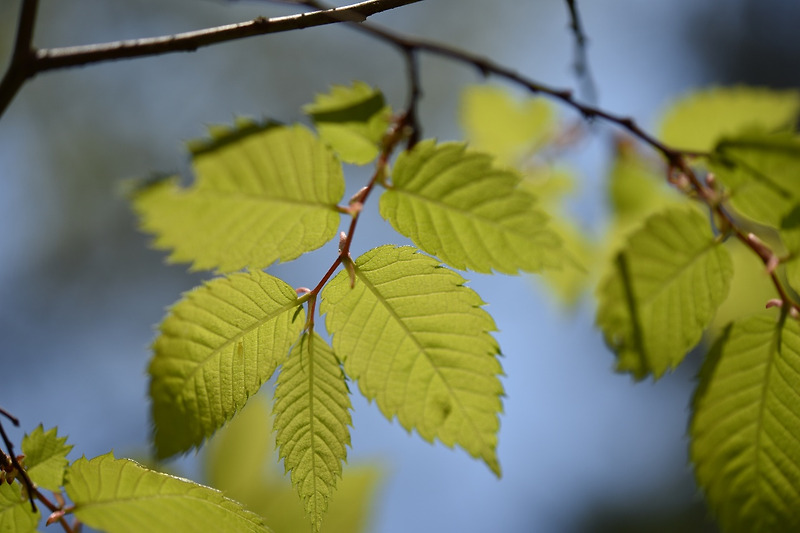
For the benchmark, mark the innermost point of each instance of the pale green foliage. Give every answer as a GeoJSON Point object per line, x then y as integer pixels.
{"type": "Point", "coordinates": [760, 173]}
{"type": "Point", "coordinates": [745, 429]}
{"type": "Point", "coordinates": [509, 129]}
{"type": "Point", "coordinates": [352, 120]}
{"type": "Point", "coordinates": [662, 292]}
{"type": "Point", "coordinates": [46, 457]}
{"type": "Point", "coordinates": [702, 118]}
{"type": "Point", "coordinates": [418, 342]}
{"type": "Point", "coordinates": [217, 346]}
{"type": "Point", "coordinates": [241, 462]}
{"type": "Point", "coordinates": [261, 195]}
{"type": "Point", "coordinates": [15, 510]}
{"type": "Point", "coordinates": [311, 421]}
{"type": "Point", "coordinates": [453, 204]}
{"type": "Point", "coordinates": [121, 496]}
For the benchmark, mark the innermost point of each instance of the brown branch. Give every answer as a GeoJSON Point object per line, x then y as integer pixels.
{"type": "Point", "coordinates": [29, 62]}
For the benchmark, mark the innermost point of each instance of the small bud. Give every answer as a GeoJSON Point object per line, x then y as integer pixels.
{"type": "Point", "coordinates": [55, 516]}
{"type": "Point", "coordinates": [302, 290]}
{"type": "Point", "coordinates": [711, 180]}
{"type": "Point", "coordinates": [775, 302]}
{"type": "Point", "coordinates": [342, 240]}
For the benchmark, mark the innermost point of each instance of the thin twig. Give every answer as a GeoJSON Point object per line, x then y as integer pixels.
{"type": "Point", "coordinates": [22, 58]}
{"type": "Point", "coordinates": [33, 62]}
{"type": "Point", "coordinates": [18, 470]}
{"type": "Point", "coordinates": [581, 63]}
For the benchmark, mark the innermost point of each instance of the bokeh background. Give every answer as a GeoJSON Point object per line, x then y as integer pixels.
{"type": "Point", "coordinates": [582, 448]}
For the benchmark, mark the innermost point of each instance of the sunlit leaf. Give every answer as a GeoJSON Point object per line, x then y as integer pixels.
{"type": "Point", "coordinates": [46, 457]}
{"type": "Point", "coordinates": [701, 119]}
{"type": "Point", "coordinates": [15, 510]}
{"type": "Point", "coordinates": [353, 120]}
{"type": "Point", "coordinates": [662, 291]}
{"type": "Point", "coordinates": [216, 347]}
{"type": "Point", "coordinates": [760, 173]}
{"type": "Point", "coordinates": [745, 429]}
{"type": "Point", "coordinates": [121, 496]}
{"type": "Point", "coordinates": [261, 195]}
{"type": "Point", "coordinates": [497, 123]}
{"type": "Point", "coordinates": [241, 463]}
{"type": "Point", "coordinates": [418, 342]}
{"type": "Point", "coordinates": [453, 204]}
{"type": "Point", "coordinates": [311, 418]}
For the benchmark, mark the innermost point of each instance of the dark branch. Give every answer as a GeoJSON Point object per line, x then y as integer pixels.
{"type": "Point", "coordinates": [27, 65]}
{"type": "Point", "coordinates": [581, 64]}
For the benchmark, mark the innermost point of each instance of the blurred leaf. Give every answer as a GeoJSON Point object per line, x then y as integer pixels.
{"type": "Point", "coordinates": [507, 128]}
{"type": "Point", "coordinates": [790, 236]}
{"type": "Point", "coordinates": [454, 205]}
{"type": "Point", "coordinates": [702, 118]}
{"type": "Point", "coordinates": [15, 510]}
{"type": "Point", "coordinates": [761, 175]}
{"type": "Point", "coordinates": [217, 346]}
{"type": "Point", "coordinates": [120, 496]}
{"type": "Point", "coordinates": [745, 429]}
{"type": "Point", "coordinates": [261, 195]}
{"type": "Point", "coordinates": [240, 462]}
{"type": "Point", "coordinates": [311, 421]}
{"type": "Point", "coordinates": [662, 292]}
{"type": "Point", "coordinates": [46, 457]}
{"type": "Point", "coordinates": [352, 120]}
{"type": "Point", "coordinates": [418, 342]}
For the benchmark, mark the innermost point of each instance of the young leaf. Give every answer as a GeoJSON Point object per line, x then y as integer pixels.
{"type": "Point", "coordinates": [121, 496]}
{"type": "Point", "coordinates": [418, 342]}
{"type": "Point", "coordinates": [352, 120]}
{"type": "Point", "coordinates": [15, 510]}
{"type": "Point", "coordinates": [760, 172]}
{"type": "Point", "coordinates": [46, 457]}
{"type": "Point", "coordinates": [701, 119]}
{"type": "Point", "coordinates": [311, 419]}
{"type": "Point", "coordinates": [454, 205]}
{"type": "Point", "coordinates": [662, 291]}
{"type": "Point", "coordinates": [217, 346]}
{"type": "Point", "coordinates": [745, 429]}
{"type": "Point", "coordinates": [261, 196]}
{"type": "Point", "coordinates": [495, 122]}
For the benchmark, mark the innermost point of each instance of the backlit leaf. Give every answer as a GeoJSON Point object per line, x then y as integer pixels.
{"type": "Point", "coordinates": [662, 291]}
{"type": "Point", "coordinates": [761, 175]}
{"type": "Point", "coordinates": [46, 457]}
{"type": "Point", "coordinates": [241, 463]}
{"type": "Point", "coordinates": [745, 429]}
{"type": "Point", "coordinates": [352, 120]}
{"type": "Point", "coordinates": [263, 195]}
{"type": "Point", "coordinates": [311, 419]}
{"type": "Point", "coordinates": [453, 204]}
{"type": "Point", "coordinates": [497, 123]}
{"type": "Point", "coordinates": [121, 496]}
{"type": "Point", "coordinates": [15, 510]}
{"type": "Point", "coordinates": [701, 119]}
{"type": "Point", "coordinates": [418, 342]}
{"type": "Point", "coordinates": [216, 347]}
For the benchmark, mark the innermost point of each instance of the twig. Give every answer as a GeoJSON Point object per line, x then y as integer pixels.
{"type": "Point", "coordinates": [581, 63]}
{"type": "Point", "coordinates": [29, 62]}
{"type": "Point", "coordinates": [13, 458]}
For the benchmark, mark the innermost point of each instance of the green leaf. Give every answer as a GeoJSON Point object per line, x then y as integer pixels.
{"type": "Point", "coordinates": [46, 457]}
{"type": "Point", "coordinates": [217, 346]}
{"type": "Point", "coordinates": [698, 121]}
{"type": "Point", "coordinates": [352, 120]}
{"type": "Point", "coordinates": [745, 429]}
{"type": "Point", "coordinates": [497, 123]}
{"type": "Point", "coordinates": [760, 172]}
{"type": "Point", "coordinates": [454, 205]}
{"type": "Point", "coordinates": [790, 235]}
{"type": "Point", "coordinates": [15, 510]}
{"type": "Point", "coordinates": [120, 496]}
{"type": "Point", "coordinates": [240, 462]}
{"type": "Point", "coordinates": [262, 195]}
{"type": "Point", "coordinates": [311, 419]}
{"type": "Point", "coordinates": [662, 292]}
{"type": "Point", "coordinates": [418, 342]}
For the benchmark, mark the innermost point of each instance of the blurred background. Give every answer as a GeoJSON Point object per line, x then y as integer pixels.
{"type": "Point", "coordinates": [582, 449]}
